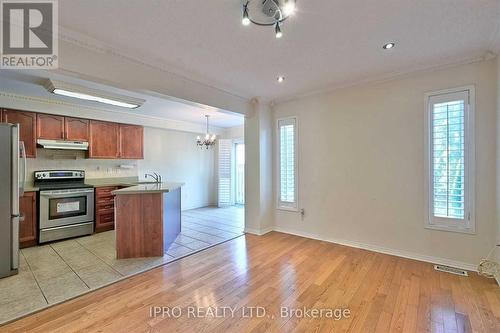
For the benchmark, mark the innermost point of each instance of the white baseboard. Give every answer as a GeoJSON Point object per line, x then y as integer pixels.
{"type": "Point", "coordinates": [258, 232]}
{"type": "Point", "coordinates": [385, 250]}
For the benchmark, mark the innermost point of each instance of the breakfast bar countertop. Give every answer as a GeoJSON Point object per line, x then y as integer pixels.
{"type": "Point", "coordinates": [150, 188]}
{"type": "Point", "coordinates": [116, 181]}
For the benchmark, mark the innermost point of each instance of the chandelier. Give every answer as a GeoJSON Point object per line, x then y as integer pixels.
{"type": "Point", "coordinates": [268, 13]}
{"type": "Point", "coordinates": [209, 140]}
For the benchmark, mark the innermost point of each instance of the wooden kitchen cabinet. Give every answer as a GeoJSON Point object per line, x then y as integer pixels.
{"type": "Point", "coordinates": [104, 141]}
{"type": "Point", "coordinates": [76, 129]}
{"type": "Point", "coordinates": [28, 235]}
{"type": "Point", "coordinates": [50, 127]}
{"type": "Point", "coordinates": [27, 122]}
{"type": "Point", "coordinates": [105, 208]}
{"type": "Point", "coordinates": [131, 142]}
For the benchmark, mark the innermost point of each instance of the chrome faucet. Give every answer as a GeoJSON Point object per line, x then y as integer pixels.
{"type": "Point", "coordinates": [155, 176]}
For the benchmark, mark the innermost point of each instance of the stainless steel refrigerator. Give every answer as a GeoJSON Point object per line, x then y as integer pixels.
{"type": "Point", "coordinates": [12, 178]}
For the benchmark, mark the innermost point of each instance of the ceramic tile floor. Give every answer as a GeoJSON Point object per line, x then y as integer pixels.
{"type": "Point", "coordinates": [59, 271]}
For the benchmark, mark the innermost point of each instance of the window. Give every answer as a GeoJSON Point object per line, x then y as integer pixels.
{"type": "Point", "coordinates": [287, 164]}
{"type": "Point", "coordinates": [225, 193]}
{"type": "Point", "coordinates": [450, 155]}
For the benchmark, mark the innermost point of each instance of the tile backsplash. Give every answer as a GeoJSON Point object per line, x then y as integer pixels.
{"type": "Point", "coordinates": [75, 160]}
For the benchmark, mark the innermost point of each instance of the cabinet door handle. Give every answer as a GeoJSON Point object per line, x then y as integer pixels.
{"type": "Point", "coordinates": [22, 218]}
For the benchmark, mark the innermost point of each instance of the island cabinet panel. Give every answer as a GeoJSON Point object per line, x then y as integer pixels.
{"type": "Point", "coordinates": [104, 140]}
{"type": "Point", "coordinates": [139, 227]}
{"type": "Point", "coordinates": [105, 208]}
{"type": "Point", "coordinates": [50, 127]}
{"type": "Point", "coordinates": [27, 122]}
{"type": "Point", "coordinates": [131, 142]}
{"type": "Point", "coordinates": [28, 234]}
{"type": "Point", "coordinates": [76, 129]}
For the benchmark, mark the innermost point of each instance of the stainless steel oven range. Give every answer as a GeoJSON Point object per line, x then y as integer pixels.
{"type": "Point", "coordinates": [66, 204]}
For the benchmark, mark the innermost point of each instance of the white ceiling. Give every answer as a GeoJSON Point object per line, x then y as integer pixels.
{"type": "Point", "coordinates": [328, 43]}
{"type": "Point", "coordinates": [30, 83]}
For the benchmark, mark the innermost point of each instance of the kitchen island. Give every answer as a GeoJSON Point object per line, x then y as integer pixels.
{"type": "Point", "coordinates": [147, 219]}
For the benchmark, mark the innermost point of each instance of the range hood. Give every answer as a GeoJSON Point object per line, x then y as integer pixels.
{"type": "Point", "coordinates": [63, 144]}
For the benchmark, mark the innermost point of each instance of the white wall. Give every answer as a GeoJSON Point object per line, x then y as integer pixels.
{"type": "Point", "coordinates": [172, 154]}
{"type": "Point", "coordinates": [258, 170]}
{"type": "Point", "coordinates": [176, 157]}
{"type": "Point", "coordinates": [498, 147]}
{"type": "Point", "coordinates": [496, 255]}
{"type": "Point", "coordinates": [236, 132]}
{"type": "Point", "coordinates": [361, 166]}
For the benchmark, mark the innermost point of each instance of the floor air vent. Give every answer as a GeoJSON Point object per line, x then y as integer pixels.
{"type": "Point", "coordinates": [451, 270]}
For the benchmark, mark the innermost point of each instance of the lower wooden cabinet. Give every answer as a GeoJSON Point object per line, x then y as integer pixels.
{"type": "Point", "coordinates": [28, 228]}
{"type": "Point", "coordinates": [105, 208]}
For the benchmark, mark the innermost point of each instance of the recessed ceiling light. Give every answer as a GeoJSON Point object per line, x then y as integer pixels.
{"type": "Point", "coordinates": [281, 79]}
{"type": "Point", "coordinates": [389, 46]}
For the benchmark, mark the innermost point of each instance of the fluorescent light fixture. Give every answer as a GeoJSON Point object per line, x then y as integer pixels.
{"type": "Point", "coordinates": [88, 94]}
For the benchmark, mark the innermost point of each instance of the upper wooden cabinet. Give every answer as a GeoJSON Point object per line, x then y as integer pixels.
{"type": "Point", "coordinates": [27, 122]}
{"type": "Point", "coordinates": [131, 142]}
{"type": "Point", "coordinates": [104, 141]}
{"type": "Point", "coordinates": [52, 127]}
{"type": "Point", "coordinates": [76, 129]}
{"type": "Point", "coordinates": [107, 140]}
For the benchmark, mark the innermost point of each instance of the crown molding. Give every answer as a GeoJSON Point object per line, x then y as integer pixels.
{"type": "Point", "coordinates": [386, 77]}
{"type": "Point", "coordinates": [39, 104]}
{"type": "Point", "coordinates": [92, 44]}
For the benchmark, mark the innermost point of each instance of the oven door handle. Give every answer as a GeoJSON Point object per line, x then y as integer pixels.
{"type": "Point", "coordinates": [66, 195]}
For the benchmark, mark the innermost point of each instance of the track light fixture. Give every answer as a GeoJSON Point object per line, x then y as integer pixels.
{"type": "Point", "coordinates": [268, 13]}
{"type": "Point", "coordinates": [246, 19]}
{"type": "Point", "coordinates": [279, 34]}
{"type": "Point", "coordinates": [289, 7]}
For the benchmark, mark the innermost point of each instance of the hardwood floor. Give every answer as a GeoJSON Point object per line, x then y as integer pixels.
{"type": "Point", "coordinates": [382, 292]}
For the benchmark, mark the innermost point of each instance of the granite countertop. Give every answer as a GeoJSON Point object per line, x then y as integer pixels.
{"type": "Point", "coordinates": [136, 185]}
{"type": "Point", "coordinates": [116, 181]}
{"type": "Point", "coordinates": [150, 188]}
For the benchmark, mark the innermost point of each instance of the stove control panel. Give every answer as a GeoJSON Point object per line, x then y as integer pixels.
{"type": "Point", "coordinates": [59, 174]}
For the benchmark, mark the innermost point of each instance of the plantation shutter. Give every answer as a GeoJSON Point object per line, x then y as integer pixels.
{"type": "Point", "coordinates": [287, 132]}
{"type": "Point", "coordinates": [449, 157]}
{"type": "Point", "coordinates": [225, 196]}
